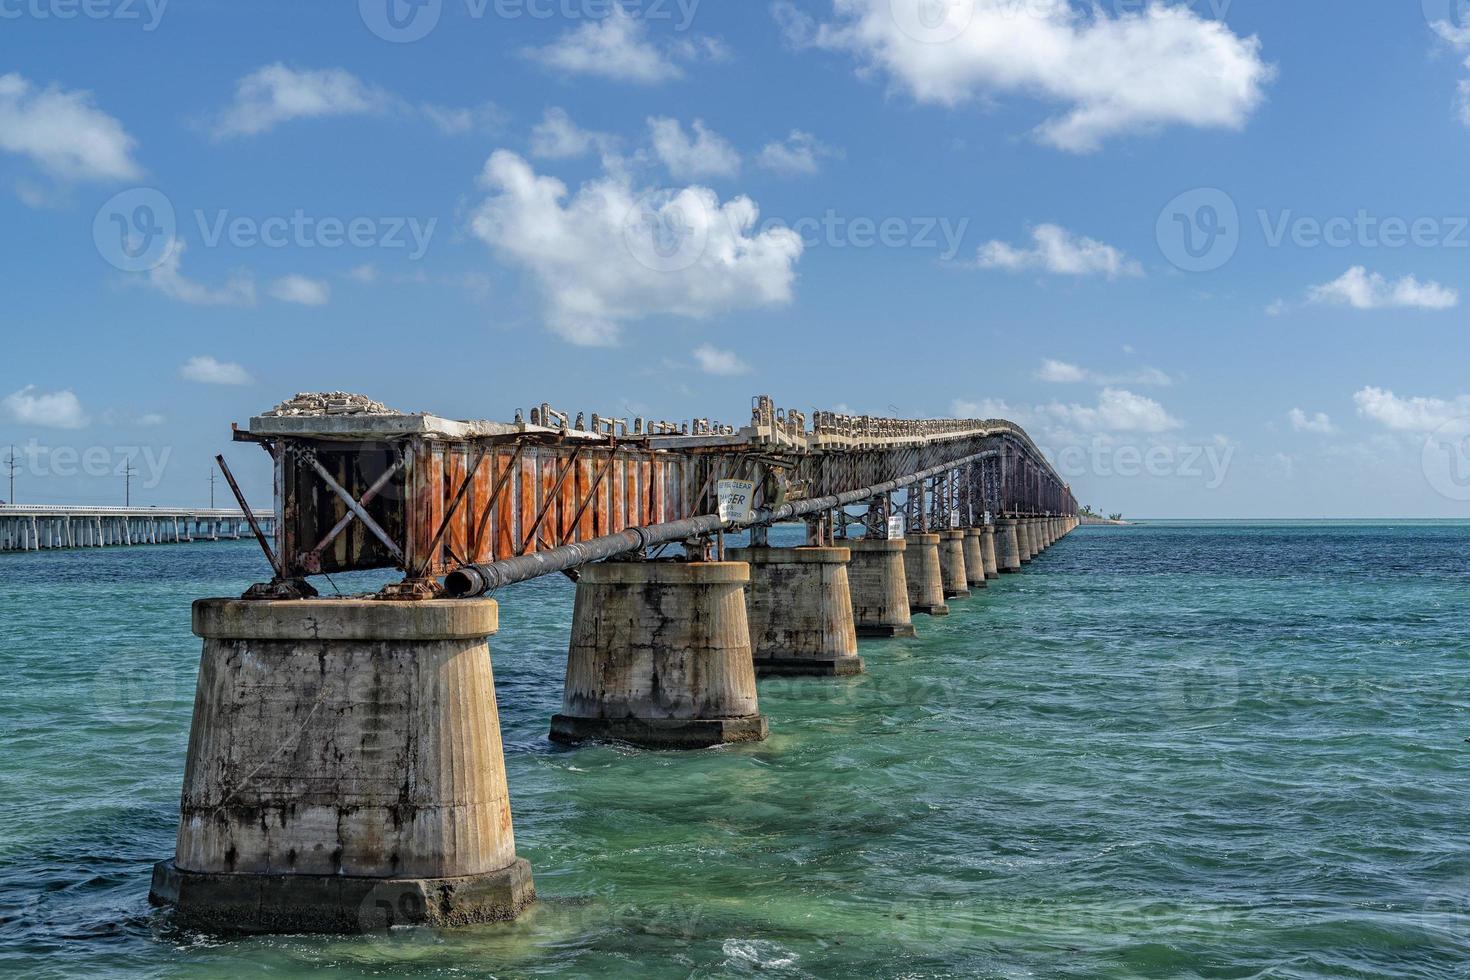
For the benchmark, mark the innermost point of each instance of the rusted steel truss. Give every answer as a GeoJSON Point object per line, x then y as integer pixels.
{"type": "Point", "coordinates": [429, 495]}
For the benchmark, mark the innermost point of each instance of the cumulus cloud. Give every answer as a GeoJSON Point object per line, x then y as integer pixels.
{"type": "Point", "coordinates": [713, 360]}
{"type": "Point", "coordinates": [301, 290]}
{"type": "Point", "coordinates": [610, 254]}
{"type": "Point", "coordinates": [63, 133]}
{"type": "Point", "coordinates": [1116, 410]}
{"type": "Point", "coordinates": [1318, 422]}
{"type": "Point", "coordinates": [51, 410]}
{"type": "Point", "coordinates": [1136, 71]}
{"type": "Point", "coordinates": [167, 278]}
{"type": "Point", "coordinates": [1061, 372]}
{"type": "Point", "coordinates": [1058, 251]}
{"type": "Point", "coordinates": [206, 370]}
{"type": "Point", "coordinates": [275, 94]}
{"type": "Point", "coordinates": [556, 137]}
{"type": "Point", "coordinates": [1417, 414]}
{"type": "Point", "coordinates": [618, 47]}
{"type": "Point", "coordinates": [1364, 290]}
{"type": "Point", "coordinates": [799, 155]}
{"type": "Point", "coordinates": [691, 157]}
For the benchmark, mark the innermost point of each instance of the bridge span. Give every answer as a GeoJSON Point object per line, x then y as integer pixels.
{"type": "Point", "coordinates": [38, 527]}
{"type": "Point", "coordinates": [345, 769]}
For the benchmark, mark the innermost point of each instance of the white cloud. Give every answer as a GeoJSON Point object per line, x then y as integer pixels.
{"type": "Point", "coordinates": [1136, 71]}
{"type": "Point", "coordinates": [206, 370]}
{"type": "Point", "coordinates": [1410, 414]}
{"type": "Point", "coordinates": [618, 47]}
{"type": "Point", "coordinates": [1117, 410]}
{"type": "Point", "coordinates": [799, 155]}
{"type": "Point", "coordinates": [707, 154]}
{"type": "Point", "coordinates": [556, 137]}
{"type": "Point", "coordinates": [239, 290]}
{"type": "Point", "coordinates": [275, 94]}
{"type": "Point", "coordinates": [1318, 422]}
{"type": "Point", "coordinates": [1363, 290]}
{"type": "Point", "coordinates": [712, 360]}
{"type": "Point", "coordinates": [601, 260]}
{"type": "Point", "coordinates": [1061, 372]}
{"type": "Point", "coordinates": [301, 290]}
{"type": "Point", "coordinates": [1060, 252]}
{"type": "Point", "coordinates": [453, 121]}
{"type": "Point", "coordinates": [63, 133]}
{"type": "Point", "coordinates": [367, 273]}
{"type": "Point", "coordinates": [51, 410]}
{"type": "Point", "coordinates": [985, 408]}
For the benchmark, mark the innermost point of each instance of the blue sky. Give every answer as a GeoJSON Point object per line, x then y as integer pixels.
{"type": "Point", "coordinates": [1213, 256]}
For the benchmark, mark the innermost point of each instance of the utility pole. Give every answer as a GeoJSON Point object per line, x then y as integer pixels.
{"type": "Point", "coordinates": [128, 475]}
{"type": "Point", "coordinates": [211, 489]}
{"type": "Point", "coordinates": [12, 465]}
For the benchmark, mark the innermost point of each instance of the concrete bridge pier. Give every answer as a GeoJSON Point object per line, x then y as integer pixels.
{"type": "Point", "coordinates": [1008, 545]}
{"type": "Point", "coordinates": [987, 551]}
{"type": "Point", "coordinates": [953, 571]}
{"type": "Point", "coordinates": [925, 579]}
{"type": "Point", "coordinates": [878, 582]}
{"type": "Point", "coordinates": [1024, 542]}
{"type": "Point", "coordinates": [975, 558]}
{"type": "Point", "coordinates": [660, 656]}
{"type": "Point", "coordinates": [800, 612]}
{"type": "Point", "coordinates": [344, 771]}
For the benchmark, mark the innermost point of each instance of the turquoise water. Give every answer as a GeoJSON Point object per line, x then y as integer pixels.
{"type": "Point", "coordinates": [1175, 750]}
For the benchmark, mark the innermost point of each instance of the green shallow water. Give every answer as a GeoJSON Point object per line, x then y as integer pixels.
{"type": "Point", "coordinates": [1175, 750]}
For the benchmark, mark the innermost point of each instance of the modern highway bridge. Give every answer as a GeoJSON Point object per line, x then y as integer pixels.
{"type": "Point", "coordinates": [345, 769]}
{"type": "Point", "coordinates": [27, 527]}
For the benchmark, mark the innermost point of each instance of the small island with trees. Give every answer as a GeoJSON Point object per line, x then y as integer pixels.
{"type": "Point", "coordinates": [1090, 516]}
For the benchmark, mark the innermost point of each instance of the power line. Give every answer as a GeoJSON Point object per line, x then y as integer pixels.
{"type": "Point", "coordinates": [128, 475]}
{"type": "Point", "coordinates": [212, 477]}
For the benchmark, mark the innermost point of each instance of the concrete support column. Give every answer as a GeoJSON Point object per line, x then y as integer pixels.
{"type": "Point", "coordinates": [879, 587]}
{"type": "Point", "coordinates": [660, 656]}
{"type": "Point", "coordinates": [987, 551]}
{"type": "Point", "coordinates": [344, 766]}
{"type": "Point", "coordinates": [1024, 540]}
{"type": "Point", "coordinates": [925, 580]}
{"type": "Point", "coordinates": [1008, 545]}
{"type": "Point", "coordinates": [799, 608]}
{"type": "Point", "coordinates": [975, 558]}
{"type": "Point", "coordinates": [952, 570]}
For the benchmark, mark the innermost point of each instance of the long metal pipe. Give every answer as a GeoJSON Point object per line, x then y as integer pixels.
{"type": "Point", "coordinates": [474, 580]}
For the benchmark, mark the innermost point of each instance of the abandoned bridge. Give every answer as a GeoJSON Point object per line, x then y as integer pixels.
{"type": "Point", "coordinates": [345, 768]}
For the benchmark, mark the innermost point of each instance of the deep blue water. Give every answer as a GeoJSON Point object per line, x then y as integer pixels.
{"type": "Point", "coordinates": [1173, 750]}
